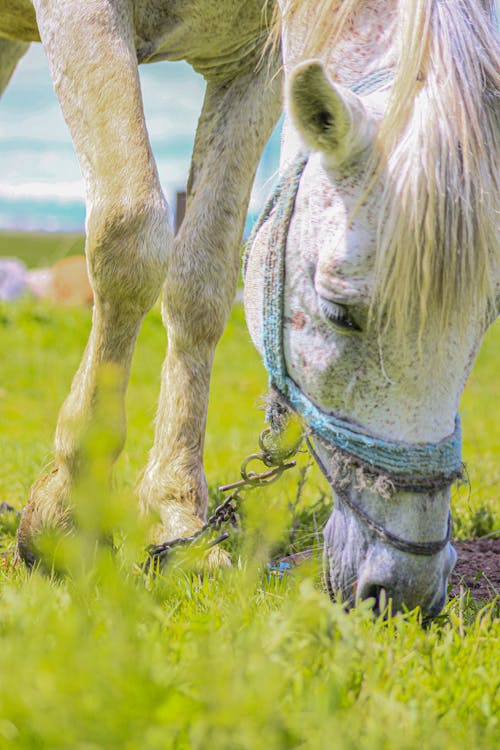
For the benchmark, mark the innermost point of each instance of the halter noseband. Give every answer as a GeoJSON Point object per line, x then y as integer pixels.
{"type": "Point", "coordinates": [414, 467]}
{"type": "Point", "coordinates": [423, 549]}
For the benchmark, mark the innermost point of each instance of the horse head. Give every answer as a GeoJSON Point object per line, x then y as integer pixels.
{"type": "Point", "coordinates": [378, 389]}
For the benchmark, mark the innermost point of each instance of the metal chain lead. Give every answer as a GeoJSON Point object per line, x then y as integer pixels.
{"type": "Point", "coordinates": [275, 458]}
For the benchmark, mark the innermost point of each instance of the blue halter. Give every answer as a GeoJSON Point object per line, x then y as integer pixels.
{"type": "Point", "coordinates": [410, 466]}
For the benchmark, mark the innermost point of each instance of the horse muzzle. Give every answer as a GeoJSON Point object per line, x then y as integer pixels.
{"type": "Point", "coordinates": [361, 566]}
{"type": "Point", "coordinates": [393, 579]}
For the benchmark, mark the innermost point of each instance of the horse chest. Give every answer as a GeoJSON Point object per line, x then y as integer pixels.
{"type": "Point", "coordinates": [18, 20]}
{"type": "Point", "coordinates": [218, 37]}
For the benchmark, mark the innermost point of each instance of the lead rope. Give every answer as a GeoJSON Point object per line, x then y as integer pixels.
{"type": "Point", "coordinates": [276, 460]}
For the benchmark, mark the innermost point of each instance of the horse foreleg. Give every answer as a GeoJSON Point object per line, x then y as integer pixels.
{"type": "Point", "coordinates": [93, 64]}
{"type": "Point", "coordinates": [236, 121]}
{"type": "Point", "coordinates": [10, 54]}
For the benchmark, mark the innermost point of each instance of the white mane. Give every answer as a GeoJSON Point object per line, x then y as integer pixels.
{"type": "Point", "coordinates": [437, 158]}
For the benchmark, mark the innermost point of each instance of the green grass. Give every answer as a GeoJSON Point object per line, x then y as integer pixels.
{"type": "Point", "coordinates": [107, 658]}
{"type": "Point", "coordinates": [41, 249]}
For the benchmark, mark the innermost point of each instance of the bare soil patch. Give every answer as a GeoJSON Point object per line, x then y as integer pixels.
{"type": "Point", "coordinates": [477, 568]}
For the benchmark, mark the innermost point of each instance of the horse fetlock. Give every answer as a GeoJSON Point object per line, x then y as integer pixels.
{"type": "Point", "coordinates": [178, 497]}
{"type": "Point", "coordinates": [47, 513]}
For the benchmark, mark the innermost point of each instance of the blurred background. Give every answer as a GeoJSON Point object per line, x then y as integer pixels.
{"type": "Point", "coordinates": [40, 183]}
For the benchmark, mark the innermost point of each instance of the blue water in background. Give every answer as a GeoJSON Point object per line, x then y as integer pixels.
{"type": "Point", "coordinates": [40, 182]}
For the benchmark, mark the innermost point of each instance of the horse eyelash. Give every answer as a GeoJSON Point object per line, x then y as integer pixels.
{"type": "Point", "coordinates": [337, 314]}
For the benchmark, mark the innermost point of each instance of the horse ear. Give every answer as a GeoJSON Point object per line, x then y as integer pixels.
{"type": "Point", "coordinates": [329, 117]}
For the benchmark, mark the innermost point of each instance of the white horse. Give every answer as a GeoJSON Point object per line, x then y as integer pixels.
{"type": "Point", "coordinates": [374, 271]}
{"type": "Point", "coordinates": [365, 300]}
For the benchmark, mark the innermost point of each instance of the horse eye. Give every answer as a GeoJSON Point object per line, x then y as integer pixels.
{"type": "Point", "coordinates": [339, 315]}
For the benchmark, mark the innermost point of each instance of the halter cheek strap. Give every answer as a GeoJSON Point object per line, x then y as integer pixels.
{"type": "Point", "coordinates": [417, 467]}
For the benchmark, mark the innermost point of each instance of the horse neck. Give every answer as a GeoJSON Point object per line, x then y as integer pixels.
{"type": "Point", "coordinates": [352, 37]}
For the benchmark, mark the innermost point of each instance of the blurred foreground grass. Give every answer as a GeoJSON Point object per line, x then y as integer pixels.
{"type": "Point", "coordinates": [107, 658]}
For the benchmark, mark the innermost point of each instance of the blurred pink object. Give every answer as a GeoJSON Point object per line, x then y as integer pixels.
{"type": "Point", "coordinates": [40, 282]}
{"type": "Point", "coordinates": [66, 283]}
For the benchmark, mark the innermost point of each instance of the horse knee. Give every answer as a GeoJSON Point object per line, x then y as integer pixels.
{"type": "Point", "coordinates": [197, 296]}
{"type": "Point", "coordinates": [194, 318]}
{"type": "Point", "coordinates": [128, 246]}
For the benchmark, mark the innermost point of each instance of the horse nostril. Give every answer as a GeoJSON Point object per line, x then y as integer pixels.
{"type": "Point", "coordinates": [379, 596]}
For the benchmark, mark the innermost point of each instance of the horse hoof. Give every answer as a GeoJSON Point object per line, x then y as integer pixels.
{"type": "Point", "coordinates": [218, 558]}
